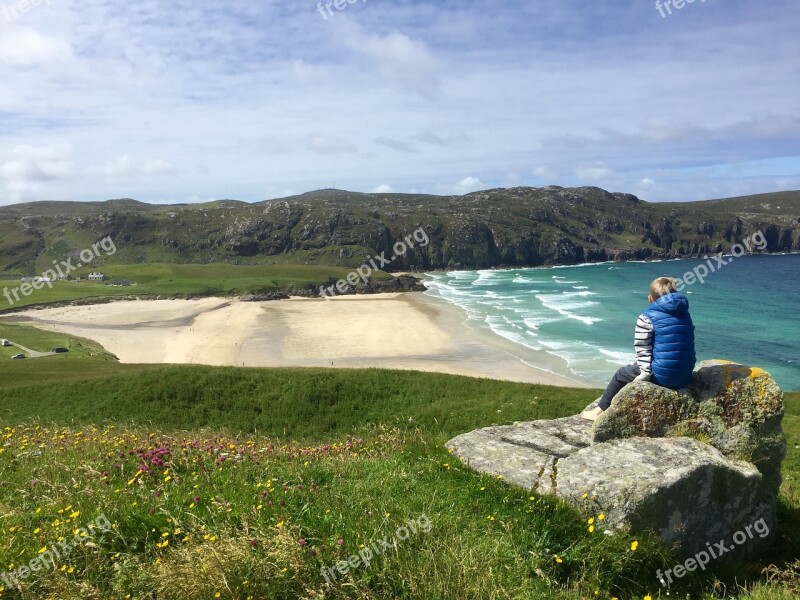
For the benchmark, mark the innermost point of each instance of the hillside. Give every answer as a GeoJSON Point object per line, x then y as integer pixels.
{"type": "Point", "coordinates": [503, 227]}
{"type": "Point", "coordinates": [209, 482]}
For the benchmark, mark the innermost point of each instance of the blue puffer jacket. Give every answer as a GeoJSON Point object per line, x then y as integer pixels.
{"type": "Point", "coordinates": [673, 340]}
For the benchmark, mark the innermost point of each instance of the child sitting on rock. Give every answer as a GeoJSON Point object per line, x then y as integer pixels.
{"type": "Point", "coordinates": [664, 343]}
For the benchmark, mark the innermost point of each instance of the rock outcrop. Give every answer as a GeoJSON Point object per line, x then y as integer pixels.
{"type": "Point", "coordinates": [693, 466]}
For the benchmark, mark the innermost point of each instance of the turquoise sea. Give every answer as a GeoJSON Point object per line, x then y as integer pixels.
{"type": "Point", "coordinates": [746, 311]}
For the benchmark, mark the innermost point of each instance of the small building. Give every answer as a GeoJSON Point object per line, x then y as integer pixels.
{"type": "Point", "coordinates": [120, 283]}
{"type": "Point", "coordinates": [96, 276]}
{"type": "Point", "coordinates": [27, 280]}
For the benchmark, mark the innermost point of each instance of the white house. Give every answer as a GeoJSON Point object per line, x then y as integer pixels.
{"type": "Point", "coordinates": [96, 276]}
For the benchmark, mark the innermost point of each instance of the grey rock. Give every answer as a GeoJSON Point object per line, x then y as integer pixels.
{"type": "Point", "coordinates": [693, 466]}
{"type": "Point", "coordinates": [735, 408]}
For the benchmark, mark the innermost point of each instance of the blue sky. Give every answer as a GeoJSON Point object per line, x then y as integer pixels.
{"type": "Point", "coordinates": [187, 101]}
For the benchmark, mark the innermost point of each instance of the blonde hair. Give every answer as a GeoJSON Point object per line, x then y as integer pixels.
{"type": "Point", "coordinates": [662, 286]}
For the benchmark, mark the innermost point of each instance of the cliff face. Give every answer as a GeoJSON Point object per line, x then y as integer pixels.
{"type": "Point", "coordinates": [508, 227]}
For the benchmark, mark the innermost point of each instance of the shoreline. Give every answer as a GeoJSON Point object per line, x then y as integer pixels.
{"type": "Point", "coordinates": [400, 330]}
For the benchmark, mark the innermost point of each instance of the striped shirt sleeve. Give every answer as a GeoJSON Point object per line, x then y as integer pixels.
{"type": "Point", "coordinates": [643, 343]}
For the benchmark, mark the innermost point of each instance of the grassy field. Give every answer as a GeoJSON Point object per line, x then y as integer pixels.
{"type": "Point", "coordinates": [180, 281]}
{"type": "Point", "coordinates": [254, 483]}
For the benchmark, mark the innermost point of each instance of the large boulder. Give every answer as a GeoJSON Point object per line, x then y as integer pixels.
{"type": "Point", "coordinates": [736, 409]}
{"type": "Point", "coordinates": [693, 466]}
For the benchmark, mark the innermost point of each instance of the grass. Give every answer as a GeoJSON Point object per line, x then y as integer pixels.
{"type": "Point", "coordinates": [180, 281]}
{"type": "Point", "coordinates": [250, 483]}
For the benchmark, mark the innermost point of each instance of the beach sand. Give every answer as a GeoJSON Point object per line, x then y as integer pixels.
{"type": "Point", "coordinates": [399, 331]}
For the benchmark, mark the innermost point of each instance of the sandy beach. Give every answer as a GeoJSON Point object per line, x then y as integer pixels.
{"type": "Point", "coordinates": [401, 331]}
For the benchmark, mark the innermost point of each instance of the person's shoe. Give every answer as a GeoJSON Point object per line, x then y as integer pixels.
{"type": "Point", "coordinates": [591, 414]}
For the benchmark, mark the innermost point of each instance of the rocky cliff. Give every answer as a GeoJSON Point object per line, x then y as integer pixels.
{"type": "Point", "coordinates": [504, 227]}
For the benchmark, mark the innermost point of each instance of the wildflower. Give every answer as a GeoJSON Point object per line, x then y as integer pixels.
{"type": "Point", "coordinates": [591, 528]}
{"type": "Point", "coordinates": [590, 521]}
{"type": "Point", "coordinates": [557, 558]}
{"type": "Point", "coordinates": [634, 546]}
{"type": "Point", "coordinates": [601, 517]}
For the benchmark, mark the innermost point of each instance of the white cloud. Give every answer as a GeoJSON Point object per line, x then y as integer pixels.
{"type": "Point", "coordinates": [403, 61]}
{"type": "Point", "coordinates": [546, 172]}
{"type": "Point", "coordinates": [596, 172]}
{"type": "Point", "coordinates": [125, 166]}
{"type": "Point", "coordinates": [25, 171]}
{"type": "Point", "coordinates": [25, 47]}
{"type": "Point", "coordinates": [469, 184]}
{"type": "Point", "coordinates": [383, 188]}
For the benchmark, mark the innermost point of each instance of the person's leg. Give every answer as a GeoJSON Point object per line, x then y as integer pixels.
{"type": "Point", "coordinates": [622, 377]}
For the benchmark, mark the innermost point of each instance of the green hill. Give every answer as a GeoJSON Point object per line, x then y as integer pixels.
{"type": "Point", "coordinates": [504, 227]}
{"type": "Point", "coordinates": [206, 482]}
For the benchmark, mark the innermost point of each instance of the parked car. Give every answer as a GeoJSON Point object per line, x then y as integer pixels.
{"type": "Point", "coordinates": [5, 343]}
{"type": "Point", "coordinates": [17, 357]}
{"type": "Point", "coordinates": [59, 350]}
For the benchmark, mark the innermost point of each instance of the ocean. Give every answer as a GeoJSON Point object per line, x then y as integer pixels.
{"type": "Point", "coordinates": [745, 311]}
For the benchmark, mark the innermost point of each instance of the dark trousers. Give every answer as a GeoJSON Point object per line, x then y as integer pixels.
{"type": "Point", "coordinates": [621, 378]}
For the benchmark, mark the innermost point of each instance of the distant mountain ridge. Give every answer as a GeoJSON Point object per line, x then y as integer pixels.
{"type": "Point", "coordinates": [515, 227]}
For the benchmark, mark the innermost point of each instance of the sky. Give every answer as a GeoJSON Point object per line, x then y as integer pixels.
{"type": "Point", "coordinates": [195, 100]}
